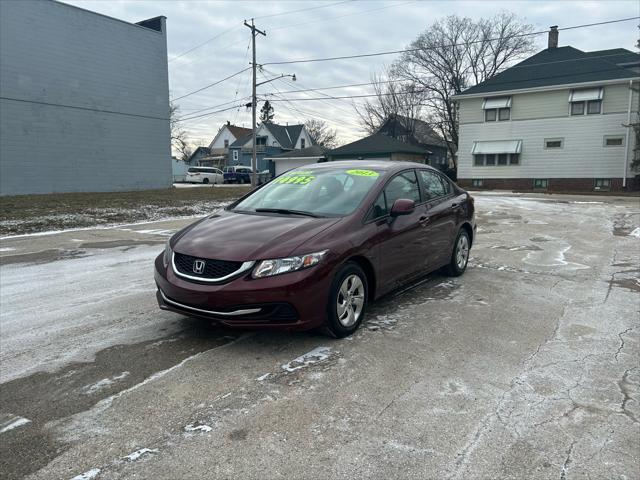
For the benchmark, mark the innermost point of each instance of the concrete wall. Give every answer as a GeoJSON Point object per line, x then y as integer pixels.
{"type": "Point", "coordinates": [84, 101]}
{"type": "Point", "coordinates": [545, 115]}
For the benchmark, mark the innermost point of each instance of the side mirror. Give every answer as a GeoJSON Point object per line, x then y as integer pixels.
{"type": "Point", "coordinates": [402, 206]}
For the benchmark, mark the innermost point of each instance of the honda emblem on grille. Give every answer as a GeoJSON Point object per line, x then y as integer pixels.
{"type": "Point", "coordinates": [198, 266]}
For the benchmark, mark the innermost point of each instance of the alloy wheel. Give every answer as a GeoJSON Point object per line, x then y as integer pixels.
{"type": "Point", "coordinates": [350, 302]}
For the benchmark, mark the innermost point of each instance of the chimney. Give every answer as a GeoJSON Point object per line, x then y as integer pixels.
{"type": "Point", "coordinates": [553, 37]}
{"type": "Point", "coordinates": [228, 122]}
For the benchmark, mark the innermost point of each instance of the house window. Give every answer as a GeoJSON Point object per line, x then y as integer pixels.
{"type": "Point", "coordinates": [550, 143]}
{"type": "Point", "coordinates": [476, 182]}
{"type": "Point", "coordinates": [541, 183]}
{"type": "Point", "coordinates": [577, 108]}
{"type": "Point", "coordinates": [261, 141]}
{"type": "Point", "coordinates": [586, 100]}
{"type": "Point", "coordinates": [492, 159]}
{"type": "Point", "coordinates": [602, 184]}
{"type": "Point", "coordinates": [613, 140]}
{"type": "Point", "coordinates": [497, 108]}
{"type": "Point", "coordinates": [235, 155]}
{"type": "Point", "coordinates": [226, 144]}
{"type": "Point", "coordinates": [594, 107]}
{"type": "Point", "coordinates": [302, 143]}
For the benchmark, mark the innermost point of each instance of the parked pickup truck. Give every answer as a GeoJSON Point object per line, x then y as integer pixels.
{"type": "Point", "coordinates": [237, 174]}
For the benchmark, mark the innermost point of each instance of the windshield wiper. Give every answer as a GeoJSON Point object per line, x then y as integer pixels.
{"type": "Point", "coordinates": [286, 211]}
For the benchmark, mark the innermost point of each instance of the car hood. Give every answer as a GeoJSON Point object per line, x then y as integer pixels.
{"type": "Point", "coordinates": [244, 237]}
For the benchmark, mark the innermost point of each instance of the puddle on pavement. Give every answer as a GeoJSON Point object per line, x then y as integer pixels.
{"type": "Point", "coordinates": [121, 243]}
{"type": "Point", "coordinates": [632, 284]}
{"type": "Point", "coordinates": [44, 256]}
{"type": "Point", "coordinates": [44, 397]}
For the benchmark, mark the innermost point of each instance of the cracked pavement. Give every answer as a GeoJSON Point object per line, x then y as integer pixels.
{"type": "Point", "coordinates": [527, 366]}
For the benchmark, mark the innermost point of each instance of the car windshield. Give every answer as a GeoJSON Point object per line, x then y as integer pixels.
{"type": "Point", "coordinates": [321, 192]}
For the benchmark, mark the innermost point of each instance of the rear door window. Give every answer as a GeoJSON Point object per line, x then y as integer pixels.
{"type": "Point", "coordinates": [404, 185]}
{"type": "Point", "coordinates": [434, 186]}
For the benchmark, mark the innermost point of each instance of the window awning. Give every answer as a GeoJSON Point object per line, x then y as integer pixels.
{"type": "Point", "coordinates": [497, 146]}
{"type": "Point", "coordinates": [497, 102]}
{"type": "Point", "coordinates": [585, 94]}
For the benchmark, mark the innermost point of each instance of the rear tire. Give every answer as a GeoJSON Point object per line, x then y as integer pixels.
{"type": "Point", "coordinates": [347, 300]}
{"type": "Point", "coordinates": [460, 255]}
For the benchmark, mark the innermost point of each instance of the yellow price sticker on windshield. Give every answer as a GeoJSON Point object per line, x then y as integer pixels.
{"type": "Point", "coordinates": [363, 173]}
{"type": "Point", "coordinates": [295, 179]}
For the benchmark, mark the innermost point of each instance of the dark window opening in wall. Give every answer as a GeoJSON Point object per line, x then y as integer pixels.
{"type": "Point", "coordinates": [490, 159]}
{"type": "Point", "coordinates": [541, 183]}
{"type": "Point", "coordinates": [514, 159]}
{"type": "Point", "coordinates": [493, 159]}
{"type": "Point", "coordinates": [261, 141]}
{"type": "Point", "coordinates": [613, 141]}
{"type": "Point", "coordinates": [226, 144]}
{"type": "Point", "coordinates": [550, 143]}
{"type": "Point", "coordinates": [490, 115]}
{"type": "Point", "coordinates": [577, 108]}
{"type": "Point", "coordinates": [502, 159]}
{"type": "Point", "coordinates": [476, 182]}
{"type": "Point", "coordinates": [302, 143]}
{"type": "Point", "coordinates": [504, 114]}
{"type": "Point", "coordinates": [594, 107]}
{"type": "Point", "coordinates": [478, 160]}
{"type": "Point", "coordinates": [602, 184]}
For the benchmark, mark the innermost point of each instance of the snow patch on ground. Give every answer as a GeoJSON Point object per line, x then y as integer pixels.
{"type": "Point", "coordinates": [88, 475]}
{"type": "Point", "coordinates": [132, 457]}
{"type": "Point", "coordinates": [197, 428]}
{"type": "Point", "coordinates": [7, 249]}
{"type": "Point", "coordinates": [635, 233]}
{"type": "Point", "coordinates": [105, 382]}
{"type": "Point", "coordinates": [263, 377]}
{"type": "Point", "coordinates": [552, 257]}
{"type": "Point", "coordinates": [9, 422]}
{"type": "Point", "coordinates": [314, 356]}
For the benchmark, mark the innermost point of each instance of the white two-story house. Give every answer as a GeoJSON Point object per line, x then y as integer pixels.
{"type": "Point", "coordinates": [556, 121]}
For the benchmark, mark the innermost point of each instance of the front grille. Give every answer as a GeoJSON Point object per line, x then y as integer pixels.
{"type": "Point", "coordinates": [212, 268]}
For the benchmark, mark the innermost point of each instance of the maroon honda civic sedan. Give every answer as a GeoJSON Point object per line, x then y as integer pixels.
{"type": "Point", "coordinates": [315, 245]}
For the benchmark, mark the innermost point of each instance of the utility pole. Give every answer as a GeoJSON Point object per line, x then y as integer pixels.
{"type": "Point", "coordinates": [254, 101]}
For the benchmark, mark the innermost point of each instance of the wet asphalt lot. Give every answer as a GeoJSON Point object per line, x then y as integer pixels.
{"type": "Point", "coordinates": [528, 366]}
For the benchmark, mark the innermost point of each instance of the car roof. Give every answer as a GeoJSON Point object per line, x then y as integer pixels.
{"type": "Point", "coordinates": [385, 165]}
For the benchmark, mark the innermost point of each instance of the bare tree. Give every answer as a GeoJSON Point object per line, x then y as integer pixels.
{"type": "Point", "coordinates": [456, 53]}
{"type": "Point", "coordinates": [179, 141]}
{"type": "Point", "coordinates": [394, 97]}
{"type": "Point", "coordinates": [321, 134]}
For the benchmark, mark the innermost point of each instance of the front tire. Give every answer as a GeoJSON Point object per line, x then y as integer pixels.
{"type": "Point", "coordinates": [347, 300]}
{"type": "Point", "coordinates": [460, 255]}
{"type": "Point", "coordinates": [205, 180]}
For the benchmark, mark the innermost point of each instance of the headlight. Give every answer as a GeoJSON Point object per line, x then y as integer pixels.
{"type": "Point", "coordinates": [268, 268]}
{"type": "Point", "coordinates": [167, 252]}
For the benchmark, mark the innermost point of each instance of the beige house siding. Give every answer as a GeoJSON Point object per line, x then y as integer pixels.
{"type": "Point", "coordinates": [549, 104]}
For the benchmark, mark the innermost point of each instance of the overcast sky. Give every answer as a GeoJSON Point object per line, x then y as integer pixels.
{"type": "Point", "coordinates": [334, 29]}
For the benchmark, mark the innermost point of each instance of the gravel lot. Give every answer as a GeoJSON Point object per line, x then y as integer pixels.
{"type": "Point", "coordinates": [528, 366]}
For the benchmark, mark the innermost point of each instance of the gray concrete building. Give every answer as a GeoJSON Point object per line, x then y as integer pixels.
{"type": "Point", "coordinates": [84, 101]}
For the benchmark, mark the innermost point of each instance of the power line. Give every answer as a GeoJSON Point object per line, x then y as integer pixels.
{"type": "Point", "coordinates": [426, 89]}
{"type": "Point", "coordinates": [408, 50]}
{"type": "Point", "coordinates": [203, 43]}
{"type": "Point", "coordinates": [302, 10]}
{"type": "Point", "coordinates": [341, 16]}
{"type": "Point", "coordinates": [212, 84]}
{"type": "Point", "coordinates": [209, 40]}
{"type": "Point", "coordinates": [209, 113]}
{"type": "Point", "coordinates": [78, 107]}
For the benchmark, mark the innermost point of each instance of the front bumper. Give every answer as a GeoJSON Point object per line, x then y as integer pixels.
{"type": "Point", "coordinates": [292, 301]}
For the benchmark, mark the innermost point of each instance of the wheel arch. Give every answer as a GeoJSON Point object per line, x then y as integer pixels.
{"type": "Point", "coordinates": [467, 227]}
{"type": "Point", "coordinates": [367, 267]}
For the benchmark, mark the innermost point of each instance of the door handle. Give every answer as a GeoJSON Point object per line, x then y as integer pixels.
{"type": "Point", "coordinates": [423, 220]}
{"type": "Point", "coordinates": [455, 206]}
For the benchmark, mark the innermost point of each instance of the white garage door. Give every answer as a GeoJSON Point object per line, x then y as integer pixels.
{"type": "Point", "coordinates": [286, 164]}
